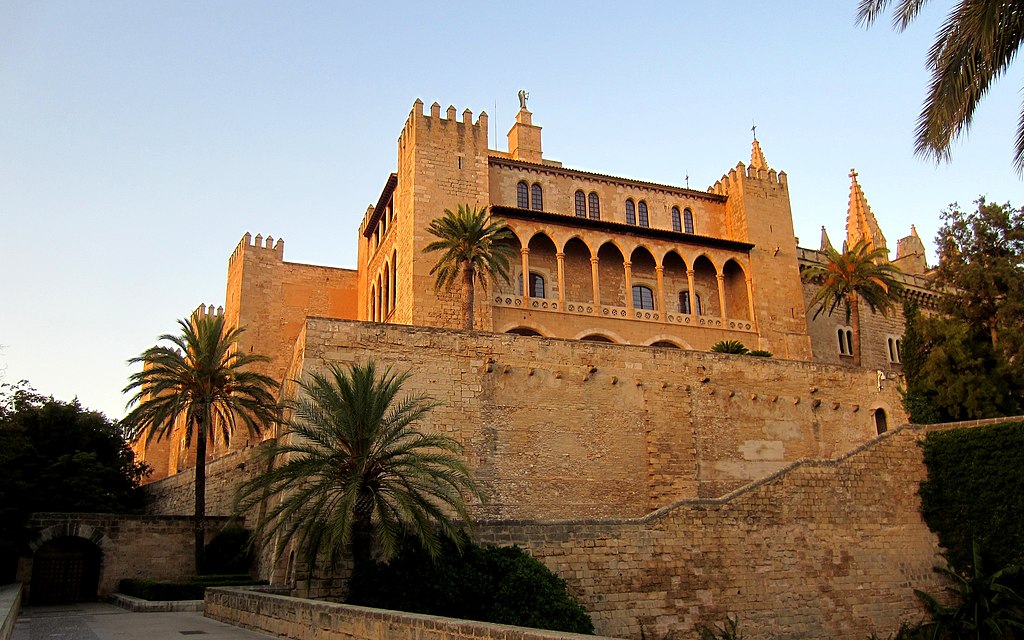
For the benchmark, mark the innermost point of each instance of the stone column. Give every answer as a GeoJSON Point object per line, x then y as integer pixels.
{"type": "Point", "coordinates": [660, 270]}
{"type": "Point", "coordinates": [561, 280]}
{"type": "Point", "coordinates": [692, 294]}
{"type": "Point", "coordinates": [526, 276]}
{"type": "Point", "coordinates": [750, 298]}
{"type": "Point", "coordinates": [721, 295]}
{"type": "Point", "coordinates": [597, 286]}
{"type": "Point", "coordinates": [627, 266]}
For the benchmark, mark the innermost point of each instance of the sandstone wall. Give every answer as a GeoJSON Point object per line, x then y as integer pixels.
{"type": "Point", "coordinates": [566, 429]}
{"type": "Point", "coordinates": [825, 549]}
{"type": "Point", "coordinates": [175, 495]}
{"type": "Point", "coordinates": [153, 547]}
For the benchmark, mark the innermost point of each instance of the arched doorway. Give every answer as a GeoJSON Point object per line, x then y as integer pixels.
{"type": "Point", "coordinates": [65, 570]}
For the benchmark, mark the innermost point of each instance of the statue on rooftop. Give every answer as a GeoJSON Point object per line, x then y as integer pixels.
{"type": "Point", "coordinates": [523, 97]}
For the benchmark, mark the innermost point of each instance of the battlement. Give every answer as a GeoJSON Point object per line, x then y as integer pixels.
{"type": "Point", "coordinates": [741, 171]}
{"type": "Point", "coordinates": [258, 243]}
{"type": "Point", "coordinates": [417, 116]}
{"type": "Point", "coordinates": [207, 311]}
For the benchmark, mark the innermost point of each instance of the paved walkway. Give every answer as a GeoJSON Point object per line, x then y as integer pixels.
{"type": "Point", "coordinates": [100, 621]}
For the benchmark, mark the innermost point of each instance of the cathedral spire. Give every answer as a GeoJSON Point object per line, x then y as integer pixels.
{"type": "Point", "coordinates": [756, 155]}
{"type": "Point", "coordinates": [860, 222]}
{"type": "Point", "coordinates": [826, 244]}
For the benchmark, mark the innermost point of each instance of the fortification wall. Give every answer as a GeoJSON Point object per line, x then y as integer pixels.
{"type": "Point", "coordinates": [567, 429]}
{"type": "Point", "coordinates": [875, 329]}
{"type": "Point", "coordinates": [175, 495]}
{"type": "Point", "coordinates": [826, 549]}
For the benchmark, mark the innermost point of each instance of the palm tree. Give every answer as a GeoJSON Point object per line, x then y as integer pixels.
{"type": "Point", "coordinates": [972, 49]}
{"type": "Point", "coordinates": [860, 273]}
{"type": "Point", "coordinates": [474, 246]}
{"type": "Point", "coordinates": [201, 380]}
{"type": "Point", "coordinates": [356, 473]}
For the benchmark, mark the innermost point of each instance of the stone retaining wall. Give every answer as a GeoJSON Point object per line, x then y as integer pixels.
{"type": "Point", "coordinates": [10, 604]}
{"type": "Point", "coordinates": [288, 617]}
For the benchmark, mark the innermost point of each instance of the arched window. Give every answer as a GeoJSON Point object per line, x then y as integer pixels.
{"type": "Point", "coordinates": [394, 278]}
{"type": "Point", "coordinates": [373, 304]}
{"type": "Point", "coordinates": [537, 197]}
{"type": "Point", "coordinates": [595, 206]}
{"type": "Point", "coordinates": [630, 212]}
{"type": "Point", "coordinates": [536, 285]}
{"type": "Point", "coordinates": [386, 296]}
{"type": "Point", "coordinates": [700, 305]}
{"type": "Point", "coordinates": [684, 302]}
{"type": "Point", "coordinates": [644, 222]}
{"type": "Point", "coordinates": [677, 224]}
{"type": "Point", "coordinates": [894, 350]}
{"type": "Point", "coordinates": [845, 336]}
{"type": "Point", "coordinates": [643, 297]}
{"type": "Point", "coordinates": [522, 196]}
{"type": "Point", "coordinates": [688, 221]}
{"type": "Point", "coordinates": [581, 205]}
{"type": "Point", "coordinates": [881, 422]}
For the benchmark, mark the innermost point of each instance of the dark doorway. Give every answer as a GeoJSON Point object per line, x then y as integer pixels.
{"type": "Point", "coordinates": [65, 570]}
{"type": "Point", "coordinates": [881, 423]}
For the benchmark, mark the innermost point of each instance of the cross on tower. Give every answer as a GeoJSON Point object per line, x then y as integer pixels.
{"type": "Point", "coordinates": [853, 173]}
{"type": "Point", "coordinates": [753, 129]}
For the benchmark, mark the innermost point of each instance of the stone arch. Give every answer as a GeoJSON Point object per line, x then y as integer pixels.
{"type": "Point", "coordinates": [737, 305]}
{"type": "Point", "coordinates": [600, 335]}
{"type": "Point", "coordinates": [72, 530]}
{"type": "Point", "coordinates": [705, 284]}
{"type": "Point", "coordinates": [522, 330]}
{"type": "Point", "coordinates": [578, 271]}
{"type": "Point", "coordinates": [881, 418]}
{"type": "Point", "coordinates": [544, 262]}
{"type": "Point", "coordinates": [667, 341]}
{"type": "Point", "coordinates": [676, 284]}
{"type": "Point", "coordinates": [612, 275]}
{"type": "Point", "coordinates": [510, 287]}
{"type": "Point", "coordinates": [643, 268]}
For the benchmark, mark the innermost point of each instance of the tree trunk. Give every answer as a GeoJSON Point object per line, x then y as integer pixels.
{"type": "Point", "coordinates": [855, 327]}
{"type": "Point", "coordinates": [362, 540]}
{"type": "Point", "coordinates": [467, 291]}
{"type": "Point", "coordinates": [200, 513]}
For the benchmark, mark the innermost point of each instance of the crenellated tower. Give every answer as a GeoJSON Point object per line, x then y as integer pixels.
{"type": "Point", "coordinates": [758, 211]}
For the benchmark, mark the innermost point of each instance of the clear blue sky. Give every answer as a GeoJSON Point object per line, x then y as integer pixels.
{"type": "Point", "coordinates": [140, 140]}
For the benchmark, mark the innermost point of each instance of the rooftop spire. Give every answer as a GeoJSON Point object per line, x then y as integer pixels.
{"type": "Point", "coordinates": [860, 222]}
{"type": "Point", "coordinates": [825, 242]}
{"type": "Point", "coordinates": [757, 157]}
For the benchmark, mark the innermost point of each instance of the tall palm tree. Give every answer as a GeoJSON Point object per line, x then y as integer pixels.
{"type": "Point", "coordinates": [474, 246]}
{"type": "Point", "coordinates": [353, 471]}
{"type": "Point", "coordinates": [860, 273]}
{"type": "Point", "coordinates": [972, 49]}
{"type": "Point", "coordinates": [200, 380]}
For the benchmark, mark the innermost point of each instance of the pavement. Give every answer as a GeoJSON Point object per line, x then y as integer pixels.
{"type": "Point", "coordinates": [102, 621]}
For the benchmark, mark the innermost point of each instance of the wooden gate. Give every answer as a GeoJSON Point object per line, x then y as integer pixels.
{"type": "Point", "coordinates": [65, 570]}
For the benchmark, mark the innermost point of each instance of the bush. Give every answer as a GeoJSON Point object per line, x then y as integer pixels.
{"type": "Point", "coordinates": [230, 552]}
{"type": "Point", "coordinates": [504, 585]}
{"type": "Point", "coordinates": [975, 492]}
{"type": "Point", "coordinates": [760, 353]}
{"type": "Point", "coordinates": [730, 346]}
{"type": "Point", "coordinates": [194, 589]}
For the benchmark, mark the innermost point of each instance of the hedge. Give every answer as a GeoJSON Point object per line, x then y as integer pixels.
{"type": "Point", "coordinates": [975, 491]}
{"type": "Point", "coordinates": [194, 589]}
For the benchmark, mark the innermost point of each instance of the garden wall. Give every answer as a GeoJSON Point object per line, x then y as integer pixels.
{"type": "Point", "coordinates": [288, 617]}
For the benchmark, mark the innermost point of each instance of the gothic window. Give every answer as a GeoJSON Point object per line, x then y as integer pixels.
{"type": "Point", "coordinates": [536, 285]}
{"type": "Point", "coordinates": [684, 302]}
{"type": "Point", "coordinates": [688, 221]}
{"type": "Point", "coordinates": [581, 205]}
{"type": "Point", "coordinates": [394, 278]}
{"type": "Point", "coordinates": [595, 206]}
{"type": "Point", "coordinates": [881, 422]}
{"type": "Point", "coordinates": [630, 212]}
{"type": "Point", "coordinates": [522, 196]}
{"type": "Point", "coordinates": [537, 197]}
{"type": "Point", "coordinates": [677, 224]}
{"type": "Point", "coordinates": [643, 297]}
{"type": "Point", "coordinates": [644, 222]}
{"type": "Point", "coordinates": [845, 336]}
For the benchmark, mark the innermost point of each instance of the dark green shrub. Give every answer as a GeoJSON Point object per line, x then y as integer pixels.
{"type": "Point", "coordinates": [504, 585]}
{"type": "Point", "coordinates": [760, 353]}
{"type": "Point", "coordinates": [230, 552]}
{"type": "Point", "coordinates": [975, 492]}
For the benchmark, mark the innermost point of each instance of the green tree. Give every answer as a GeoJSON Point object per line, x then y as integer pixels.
{"type": "Point", "coordinates": [356, 473]}
{"type": "Point", "coordinates": [474, 248]}
{"type": "Point", "coordinates": [972, 49]}
{"type": "Point", "coordinates": [982, 268]}
{"type": "Point", "coordinates": [860, 273]}
{"type": "Point", "coordinates": [202, 382]}
{"type": "Point", "coordinates": [58, 456]}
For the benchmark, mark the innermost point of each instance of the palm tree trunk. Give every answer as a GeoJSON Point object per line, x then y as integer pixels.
{"type": "Point", "coordinates": [362, 540]}
{"type": "Point", "coordinates": [855, 327]}
{"type": "Point", "coordinates": [200, 512]}
{"type": "Point", "coordinates": [467, 290]}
